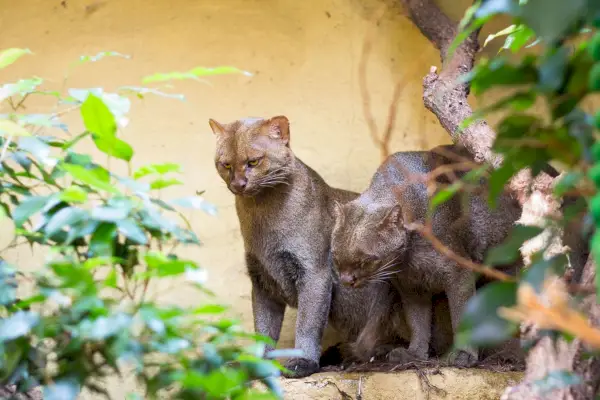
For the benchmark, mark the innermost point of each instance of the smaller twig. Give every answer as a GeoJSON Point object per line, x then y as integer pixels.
{"type": "Point", "coordinates": [20, 103]}
{"type": "Point", "coordinates": [359, 392]}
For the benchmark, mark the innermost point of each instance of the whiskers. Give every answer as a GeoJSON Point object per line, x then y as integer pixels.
{"type": "Point", "coordinates": [383, 273]}
{"type": "Point", "coordinates": [275, 177]}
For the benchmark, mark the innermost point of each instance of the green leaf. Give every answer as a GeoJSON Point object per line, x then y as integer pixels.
{"type": "Point", "coordinates": [8, 284]}
{"type": "Point", "coordinates": [27, 208]}
{"type": "Point", "coordinates": [118, 105]}
{"type": "Point", "coordinates": [568, 182]}
{"type": "Point", "coordinates": [74, 194]}
{"type": "Point", "coordinates": [113, 146]}
{"type": "Point", "coordinates": [65, 217]}
{"type": "Point", "coordinates": [509, 250]}
{"type": "Point", "coordinates": [463, 34]}
{"type": "Point", "coordinates": [17, 325]}
{"type": "Point", "coordinates": [490, 8]}
{"type": "Point", "coordinates": [99, 120]}
{"type": "Point", "coordinates": [102, 240]}
{"type": "Point", "coordinates": [163, 266]}
{"type": "Point", "coordinates": [516, 40]}
{"type": "Point", "coordinates": [500, 72]}
{"type": "Point", "coordinates": [164, 183]}
{"type": "Point", "coordinates": [540, 269]}
{"type": "Point", "coordinates": [109, 214]}
{"type": "Point", "coordinates": [160, 169]}
{"type": "Point", "coordinates": [498, 179]}
{"type": "Point", "coordinates": [93, 178]}
{"type": "Point", "coordinates": [70, 143]}
{"type": "Point", "coordinates": [130, 229]}
{"type": "Point", "coordinates": [480, 323]}
{"type": "Point", "coordinates": [559, 17]}
{"type": "Point", "coordinates": [42, 120]}
{"type": "Point", "coordinates": [506, 31]}
{"type": "Point", "coordinates": [97, 117]}
{"type": "Point", "coordinates": [102, 55]}
{"type": "Point", "coordinates": [111, 279]}
{"type": "Point", "coordinates": [444, 195]}
{"type": "Point", "coordinates": [210, 309]}
{"type": "Point", "coordinates": [104, 327]}
{"type": "Point", "coordinates": [9, 56]}
{"type": "Point", "coordinates": [193, 74]}
{"type": "Point", "coordinates": [21, 87]}
{"type": "Point", "coordinates": [218, 383]}
{"type": "Point", "coordinates": [519, 101]}
{"type": "Point", "coordinates": [141, 91]}
{"type": "Point", "coordinates": [10, 128]}
{"type": "Point", "coordinates": [39, 149]}
{"type": "Point", "coordinates": [552, 70]}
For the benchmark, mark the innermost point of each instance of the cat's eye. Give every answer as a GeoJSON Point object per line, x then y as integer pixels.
{"type": "Point", "coordinates": [253, 163]}
{"type": "Point", "coordinates": [226, 165]}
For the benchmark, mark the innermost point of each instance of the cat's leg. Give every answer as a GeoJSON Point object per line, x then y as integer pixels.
{"type": "Point", "coordinates": [268, 312]}
{"type": "Point", "coordinates": [268, 315]}
{"type": "Point", "coordinates": [314, 299]}
{"type": "Point", "coordinates": [417, 308]}
{"type": "Point", "coordinates": [460, 288]}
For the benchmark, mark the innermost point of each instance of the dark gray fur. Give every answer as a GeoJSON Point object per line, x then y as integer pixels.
{"type": "Point", "coordinates": [370, 242]}
{"type": "Point", "coordinates": [286, 224]}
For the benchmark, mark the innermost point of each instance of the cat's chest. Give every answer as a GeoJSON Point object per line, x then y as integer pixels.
{"type": "Point", "coordinates": [279, 228]}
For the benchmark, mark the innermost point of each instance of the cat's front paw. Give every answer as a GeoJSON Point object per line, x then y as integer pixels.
{"type": "Point", "coordinates": [300, 367]}
{"type": "Point", "coordinates": [402, 355]}
{"type": "Point", "coordinates": [463, 358]}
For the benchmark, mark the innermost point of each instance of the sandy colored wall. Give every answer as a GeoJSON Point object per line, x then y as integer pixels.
{"type": "Point", "coordinates": [304, 56]}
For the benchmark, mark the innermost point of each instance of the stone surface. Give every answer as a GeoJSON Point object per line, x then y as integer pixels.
{"type": "Point", "coordinates": [445, 383]}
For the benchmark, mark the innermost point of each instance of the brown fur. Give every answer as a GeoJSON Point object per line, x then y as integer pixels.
{"type": "Point", "coordinates": [370, 243]}
{"type": "Point", "coordinates": [286, 211]}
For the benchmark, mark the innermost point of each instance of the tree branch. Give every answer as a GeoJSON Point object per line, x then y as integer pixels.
{"type": "Point", "coordinates": [442, 95]}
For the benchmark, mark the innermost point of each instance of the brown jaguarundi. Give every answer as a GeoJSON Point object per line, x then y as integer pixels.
{"type": "Point", "coordinates": [285, 210]}
{"type": "Point", "coordinates": [370, 241]}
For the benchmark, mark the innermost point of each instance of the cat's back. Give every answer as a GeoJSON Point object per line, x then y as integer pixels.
{"type": "Point", "coordinates": [404, 166]}
{"type": "Point", "coordinates": [397, 174]}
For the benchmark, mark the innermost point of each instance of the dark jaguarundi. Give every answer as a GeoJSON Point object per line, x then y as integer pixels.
{"type": "Point", "coordinates": [285, 210]}
{"type": "Point", "coordinates": [370, 241]}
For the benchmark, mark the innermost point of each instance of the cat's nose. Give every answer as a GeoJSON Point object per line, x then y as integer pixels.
{"type": "Point", "coordinates": [348, 278]}
{"type": "Point", "coordinates": [239, 185]}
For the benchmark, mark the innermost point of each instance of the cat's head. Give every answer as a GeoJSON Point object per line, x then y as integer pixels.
{"type": "Point", "coordinates": [253, 154]}
{"type": "Point", "coordinates": [367, 241]}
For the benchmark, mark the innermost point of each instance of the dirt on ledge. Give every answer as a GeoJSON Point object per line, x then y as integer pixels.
{"type": "Point", "coordinates": [426, 383]}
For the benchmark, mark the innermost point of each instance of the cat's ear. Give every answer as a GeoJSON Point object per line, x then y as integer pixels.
{"type": "Point", "coordinates": [277, 128]}
{"type": "Point", "coordinates": [216, 127]}
{"type": "Point", "coordinates": [393, 217]}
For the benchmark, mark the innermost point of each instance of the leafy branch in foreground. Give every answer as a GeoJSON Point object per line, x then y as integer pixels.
{"type": "Point", "coordinates": [91, 310]}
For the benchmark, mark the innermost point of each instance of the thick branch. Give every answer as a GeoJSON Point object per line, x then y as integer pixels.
{"type": "Point", "coordinates": [434, 24]}
{"type": "Point", "coordinates": [442, 95]}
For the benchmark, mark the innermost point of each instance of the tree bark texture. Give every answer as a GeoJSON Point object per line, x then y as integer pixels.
{"type": "Point", "coordinates": [447, 100]}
